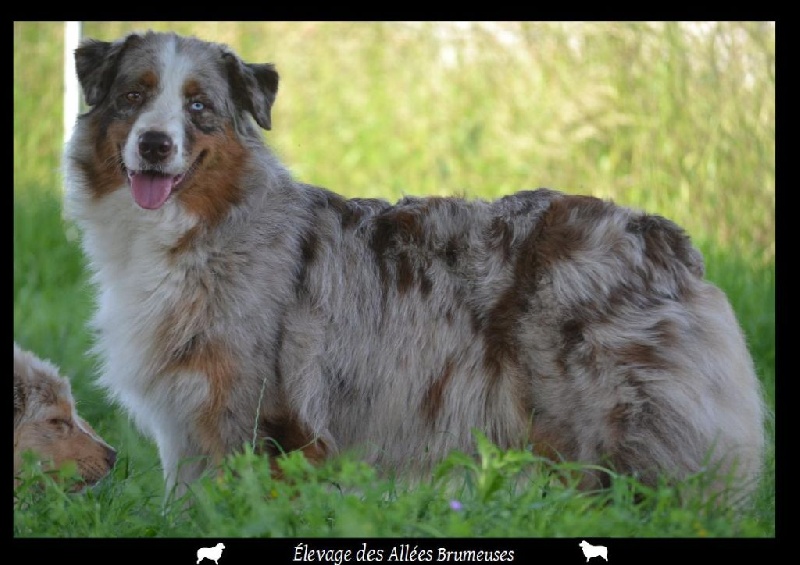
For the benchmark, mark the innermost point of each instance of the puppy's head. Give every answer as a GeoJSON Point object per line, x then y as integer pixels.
{"type": "Point", "coordinates": [46, 422]}
{"type": "Point", "coordinates": [169, 116]}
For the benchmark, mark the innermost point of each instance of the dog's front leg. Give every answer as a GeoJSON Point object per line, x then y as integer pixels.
{"type": "Point", "coordinates": [181, 461]}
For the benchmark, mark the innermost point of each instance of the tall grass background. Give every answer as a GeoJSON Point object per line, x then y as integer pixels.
{"type": "Point", "coordinates": [675, 118]}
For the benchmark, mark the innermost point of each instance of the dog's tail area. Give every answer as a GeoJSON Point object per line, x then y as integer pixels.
{"type": "Point", "coordinates": [663, 391]}
{"type": "Point", "coordinates": [701, 406]}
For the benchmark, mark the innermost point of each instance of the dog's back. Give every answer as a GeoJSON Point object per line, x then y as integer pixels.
{"type": "Point", "coordinates": [46, 422]}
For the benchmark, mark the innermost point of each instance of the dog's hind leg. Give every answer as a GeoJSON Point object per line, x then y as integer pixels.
{"type": "Point", "coordinates": [637, 363]}
{"type": "Point", "coordinates": [669, 392]}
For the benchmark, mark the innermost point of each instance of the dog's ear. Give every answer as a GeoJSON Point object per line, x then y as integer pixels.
{"type": "Point", "coordinates": [20, 398]}
{"type": "Point", "coordinates": [96, 66]}
{"type": "Point", "coordinates": [254, 87]}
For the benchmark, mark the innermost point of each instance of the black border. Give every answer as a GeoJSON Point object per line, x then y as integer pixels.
{"type": "Point", "coordinates": [280, 551]}
{"type": "Point", "coordinates": [540, 550]}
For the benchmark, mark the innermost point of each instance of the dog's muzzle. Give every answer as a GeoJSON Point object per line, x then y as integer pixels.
{"type": "Point", "coordinates": [151, 187]}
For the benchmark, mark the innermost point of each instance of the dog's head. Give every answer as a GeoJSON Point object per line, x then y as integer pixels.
{"type": "Point", "coordinates": [169, 115]}
{"type": "Point", "coordinates": [46, 422]}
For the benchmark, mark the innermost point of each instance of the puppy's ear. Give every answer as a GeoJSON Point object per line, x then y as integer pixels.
{"type": "Point", "coordinates": [254, 87]}
{"type": "Point", "coordinates": [96, 66]}
{"type": "Point", "coordinates": [20, 398]}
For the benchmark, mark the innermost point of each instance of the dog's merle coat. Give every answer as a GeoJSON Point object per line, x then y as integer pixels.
{"type": "Point", "coordinates": [239, 305]}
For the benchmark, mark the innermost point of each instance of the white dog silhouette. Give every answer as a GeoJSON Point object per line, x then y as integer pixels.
{"type": "Point", "coordinates": [590, 550]}
{"type": "Point", "coordinates": [210, 553]}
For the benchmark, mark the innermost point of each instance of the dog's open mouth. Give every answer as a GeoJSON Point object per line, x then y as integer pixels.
{"type": "Point", "coordinates": [150, 189]}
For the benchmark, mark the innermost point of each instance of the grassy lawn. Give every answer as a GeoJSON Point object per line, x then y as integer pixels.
{"type": "Point", "coordinates": [675, 119]}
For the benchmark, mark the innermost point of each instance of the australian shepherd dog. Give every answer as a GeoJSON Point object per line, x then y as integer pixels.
{"type": "Point", "coordinates": [237, 305]}
{"type": "Point", "coordinates": [47, 423]}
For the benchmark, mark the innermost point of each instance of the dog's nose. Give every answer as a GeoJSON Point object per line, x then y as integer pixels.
{"type": "Point", "coordinates": [155, 146]}
{"type": "Point", "coordinates": [111, 458]}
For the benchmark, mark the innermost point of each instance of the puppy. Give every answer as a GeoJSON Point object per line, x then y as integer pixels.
{"type": "Point", "coordinates": [46, 422]}
{"type": "Point", "coordinates": [238, 305]}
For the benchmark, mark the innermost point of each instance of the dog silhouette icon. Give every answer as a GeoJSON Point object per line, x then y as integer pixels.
{"type": "Point", "coordinates": [211, 553]}
{"type": "Point", "coordinates": [590, 550]}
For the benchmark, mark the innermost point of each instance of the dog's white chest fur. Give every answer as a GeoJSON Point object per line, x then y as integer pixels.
{"type": "Point", "coordinates": [137, 286]}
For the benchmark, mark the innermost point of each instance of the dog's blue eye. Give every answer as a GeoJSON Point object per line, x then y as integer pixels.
{"type": "Point", "coordinates": [197, 106]}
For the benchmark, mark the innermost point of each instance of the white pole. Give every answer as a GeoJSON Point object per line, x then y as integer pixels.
{"type": "Point", "coordinates": [72, 101]}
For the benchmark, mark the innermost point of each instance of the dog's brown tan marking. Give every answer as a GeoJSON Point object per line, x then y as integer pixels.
{"type": "Point", "coordinates": [642, 355]}
{"type": "Point", "coordinates": [393, 230]}
{"type": "Point", "coordinates": [180, 327]}
{"type": "Point", "coordinates": [547, 442]}
{"type": "Point", "coordinates": [349, 211]}
{"type": "Point", "coordinates": [425, 282]}
{"type": "Point", "coordinates": [192, 88]}
{"type": "Point", "coordinates": [500, 324]}
{"type": "Point", "coordinates": [283, 433]}
{"type": "Point", "coordinates": [565, 228]}
{"type": "Point", "coordinates": [557, 237]}
{"type": "Point", "coordinates": [185, 242]}
{"type": "Point", "coordinates": [149, 80]}
{"type": "Point", "coordinates": [209, 359]}
{"type": "Point", "coordinates": [573, 344]}
{"type": "Point", "coordinates": [189, 351]}
{"type": "Point", "coordinates": [214, 188]}
{"type": "Point", "coordinates": [309, 250]}
{"type": "Point", "coordinates": [103, 170]}
{"type": "Point", "coordinates": [665, 242]}
{"type": "Point", "coordinates": [405, 272]}
{"type": "Point", "coordinates": [511, 219]}
{"type": "Point", "coordinates": [434, 396]}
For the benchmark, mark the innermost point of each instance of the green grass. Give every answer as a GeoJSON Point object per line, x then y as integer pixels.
{"type": "Point", "coordinates": [654, 116]}
{"type": "Point", "coordinates": [500, 494]}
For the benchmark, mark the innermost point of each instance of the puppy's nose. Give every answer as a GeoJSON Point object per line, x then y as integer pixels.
{"type": "Point", "coordinates": [155, 146]}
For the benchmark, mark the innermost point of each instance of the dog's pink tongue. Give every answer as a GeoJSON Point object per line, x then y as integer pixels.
{"type": "Point", "coordinates": [150, 190]}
